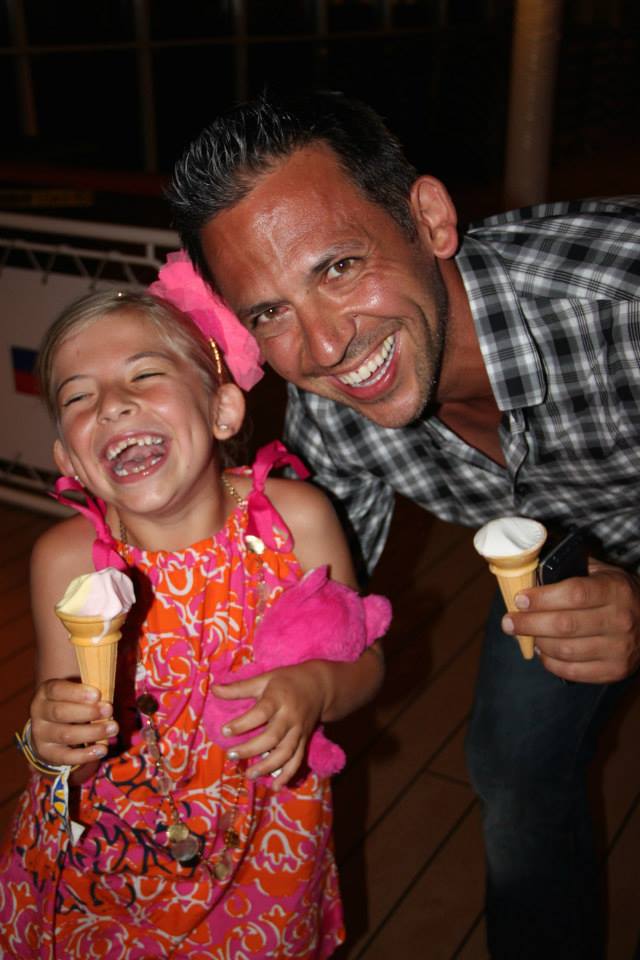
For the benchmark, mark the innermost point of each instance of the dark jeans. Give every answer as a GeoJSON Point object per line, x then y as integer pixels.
{"type": "Point", "coordinates": [529, 745]}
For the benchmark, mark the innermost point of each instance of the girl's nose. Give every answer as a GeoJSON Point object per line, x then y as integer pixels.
{"type": "Point", "coordinates": [115, 403]}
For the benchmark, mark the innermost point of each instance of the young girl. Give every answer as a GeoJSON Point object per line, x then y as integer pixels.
{"type": "Point", "coordinates": [177, 847]}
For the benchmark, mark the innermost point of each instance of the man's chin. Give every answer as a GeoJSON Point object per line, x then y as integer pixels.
{"type": "Point", "coordinates": [385, 412]}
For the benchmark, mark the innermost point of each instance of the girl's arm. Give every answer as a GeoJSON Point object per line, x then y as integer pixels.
{"type": "Point", "coordinates": [319, 538]}
{"type": "Point", "coordinates": [63, 709]}
{"type": "Point", "coordinates": [315, 528]}
{"type": "Point", "coordinates": [291, 701]}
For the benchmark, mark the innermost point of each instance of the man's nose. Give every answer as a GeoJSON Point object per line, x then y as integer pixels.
{"type": "Point", "coordinates": [327, 332]}
{"type": "Point", "coordinates": [115, 403]}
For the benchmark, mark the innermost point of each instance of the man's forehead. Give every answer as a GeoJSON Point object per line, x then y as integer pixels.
{"type": "Point", "coordinates": [299, 204]}
{"type": "Point", "coordinates": [311, 180]}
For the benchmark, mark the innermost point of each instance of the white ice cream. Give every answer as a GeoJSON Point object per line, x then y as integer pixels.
{"type": "Point", "coordinates": [509, 536]}
{"type": "Point", "coordinates": [105, 594]}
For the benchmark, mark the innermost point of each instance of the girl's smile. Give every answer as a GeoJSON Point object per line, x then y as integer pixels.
{"type": "Point", "coordinates": [136, 454]}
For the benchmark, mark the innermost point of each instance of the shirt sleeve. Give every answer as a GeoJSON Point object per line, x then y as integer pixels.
{"type": "Point", "coordinates": [363, 501]}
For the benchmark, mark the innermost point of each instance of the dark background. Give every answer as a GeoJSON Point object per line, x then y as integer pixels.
{"type": "Point", "coordinates": [438, 70]}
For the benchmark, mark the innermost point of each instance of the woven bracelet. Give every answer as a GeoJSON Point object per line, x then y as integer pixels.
{"type": "Point", "coordinates": [26, 747]}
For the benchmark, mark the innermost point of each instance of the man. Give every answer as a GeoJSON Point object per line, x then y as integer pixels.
{"type": "Point", "coordinates": [496, 375]}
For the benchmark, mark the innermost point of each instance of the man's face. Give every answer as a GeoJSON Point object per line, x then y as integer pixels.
{"type": "Point", "coordinates": [341, 301]}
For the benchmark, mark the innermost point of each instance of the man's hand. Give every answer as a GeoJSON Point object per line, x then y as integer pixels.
{"type": "Point", "coordinates": [586, 628]}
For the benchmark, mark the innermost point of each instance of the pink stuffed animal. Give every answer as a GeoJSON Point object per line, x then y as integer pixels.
{"type": "Point", "coordinates": [316, 619]}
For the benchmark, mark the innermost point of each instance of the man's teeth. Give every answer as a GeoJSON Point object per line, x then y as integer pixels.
{"type": "Point", "coordinates": [377, 364]}
{"type": "Point", "coordinates": [143, 441]}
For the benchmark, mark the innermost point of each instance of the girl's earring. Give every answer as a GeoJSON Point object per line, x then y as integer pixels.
{"type": "Point", "coordinates": [223, 426]}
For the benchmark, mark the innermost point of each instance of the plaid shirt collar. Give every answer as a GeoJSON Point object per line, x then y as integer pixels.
{"type": "Point", "coordinates": [510, 354]}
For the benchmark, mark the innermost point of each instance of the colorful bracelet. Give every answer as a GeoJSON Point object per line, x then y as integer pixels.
{"type": "Point", "coordinates": [59, 771]}
{"type": "Point", "coordinates": [25, 745]}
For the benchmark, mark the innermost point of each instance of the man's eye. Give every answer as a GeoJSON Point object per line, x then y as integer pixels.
{"type": "Point", "coordinates": [271, 313]}
{"type": "Point", "coordinates": [340, 267]}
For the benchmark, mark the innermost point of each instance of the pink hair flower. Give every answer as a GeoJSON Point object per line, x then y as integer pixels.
{"type": "Point", "coordinates": [180, 284]}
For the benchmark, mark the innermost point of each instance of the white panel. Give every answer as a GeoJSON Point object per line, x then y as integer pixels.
{"type": "Point", "coordinates": [27, 307]}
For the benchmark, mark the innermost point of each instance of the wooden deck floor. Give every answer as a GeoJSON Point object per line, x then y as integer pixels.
{"type": "Point", "coordinates": [407, 823]}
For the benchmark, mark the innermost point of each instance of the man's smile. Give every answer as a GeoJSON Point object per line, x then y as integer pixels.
{"type": "Point", "coordinates": [373, 369]}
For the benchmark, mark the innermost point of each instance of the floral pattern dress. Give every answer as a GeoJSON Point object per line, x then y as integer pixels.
{"type": "Point", "coordinates": [116, 892]}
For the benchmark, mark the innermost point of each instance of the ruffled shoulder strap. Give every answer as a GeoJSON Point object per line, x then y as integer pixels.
{"type": "Point", "coordinates": [104, 551]}
{"type": "Point", "coordinates": [263, 516]}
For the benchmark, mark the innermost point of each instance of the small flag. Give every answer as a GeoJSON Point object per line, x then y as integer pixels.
{"type": "Point", "coordinates": [23, 363]}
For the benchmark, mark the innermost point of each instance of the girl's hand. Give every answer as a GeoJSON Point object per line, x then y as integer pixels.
{"type": "Point", "coordinates": [62, 718]}
{"type": "Point", "coordinates": [290, 702]}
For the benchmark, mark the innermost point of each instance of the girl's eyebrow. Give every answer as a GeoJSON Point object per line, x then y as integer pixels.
{"type": "Point", "coordinates": [75, 376]}
{"type": "Point", "coordinates": [132, 359]}
{"type": "Point", "coordinates": [149, 353]}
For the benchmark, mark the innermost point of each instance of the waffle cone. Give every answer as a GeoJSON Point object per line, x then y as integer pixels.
{"type": "Point", "coordinates": [96, 649]}
{"type": "Point", "coordinates": [514, 574]}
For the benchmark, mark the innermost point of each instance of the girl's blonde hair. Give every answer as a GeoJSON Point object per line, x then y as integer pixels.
{"type": "Point", "coordinates": [175, 330]}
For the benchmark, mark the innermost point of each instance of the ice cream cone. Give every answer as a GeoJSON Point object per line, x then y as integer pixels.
{"type": "Point", "coordinates": [95, 641]}
{"type": "Point", "coordinates": [514, 574]}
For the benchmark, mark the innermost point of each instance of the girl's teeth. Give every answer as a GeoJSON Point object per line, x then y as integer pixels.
{"type": "Point", "coordinates": [145, 440]}
{"type": "Point", "coordinates": [132, 455]}
{"type": "Point", "coordinates": [121, 471]}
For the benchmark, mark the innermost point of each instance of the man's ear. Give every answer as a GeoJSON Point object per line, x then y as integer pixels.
{"type": "Point", "coordinates": [435, 216]}
{"type": "Point", "coordinates": [62, 460]}
{"type": "Point", "coordinates": [227, 411]}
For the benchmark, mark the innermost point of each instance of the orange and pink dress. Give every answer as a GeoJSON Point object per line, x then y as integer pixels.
{"type": "Point", "coordinates": [262, 881]}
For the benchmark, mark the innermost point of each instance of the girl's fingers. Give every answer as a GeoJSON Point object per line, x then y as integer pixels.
{"type": "Point", "coordinates": [76, 756]}
{"type": "Point", "coordinates": [61, 743]}
{"type": "Point", "coordinates": [256, 716]}
{"type": "Point", "coordinates": [69, 691]}
{"type": "Point", "coordinates": [86, 733]}
{"type": "Point", "coordinates": [273, 753]}
{"type": "Point", "coordinates": [66, 712]}
{"type": "Point", "coordinates": [241, 689]}
{"type": "Point", "coordinates": [258, 746]}
{"type": "Point", "coordinates": [283, 775]}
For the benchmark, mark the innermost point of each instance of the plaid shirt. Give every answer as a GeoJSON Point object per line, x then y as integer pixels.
{"type": "Point", "coordinates": [554, 292]}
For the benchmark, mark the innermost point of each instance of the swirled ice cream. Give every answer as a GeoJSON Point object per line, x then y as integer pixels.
{"type": "Point", "coordinates": [511, 545]}
{"type": "Point", "coordinates": [93, 610]}
{"type": "Point", "coordinates": [509, 537]}
{"type": "Point", "coordinates": [105, 594]}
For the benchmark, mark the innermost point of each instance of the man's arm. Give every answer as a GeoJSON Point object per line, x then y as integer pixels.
{"type": "Point", "coordinates": [588, 628]}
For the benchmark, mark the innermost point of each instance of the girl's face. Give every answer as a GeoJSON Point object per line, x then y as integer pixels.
{"type": "Point", "coordinates": [136, 421]}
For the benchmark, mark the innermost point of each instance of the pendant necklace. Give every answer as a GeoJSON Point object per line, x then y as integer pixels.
{"type": "Point", "coordinates": [184, 846]}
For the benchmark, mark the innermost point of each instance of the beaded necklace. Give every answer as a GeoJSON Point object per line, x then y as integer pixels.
{"type": "Point", "coordinates": [184, 846]}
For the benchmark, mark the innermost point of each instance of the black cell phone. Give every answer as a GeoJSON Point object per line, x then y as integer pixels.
{"type": "Point", "coordinates": [567, 558]}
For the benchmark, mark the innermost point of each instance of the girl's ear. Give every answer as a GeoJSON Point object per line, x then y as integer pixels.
{"type": "Point", "coordinates": [62, 459]}
{"type": "Point", "coordinates": [435, 216]}
{"type": "Point", "coordinates": [227, 411]}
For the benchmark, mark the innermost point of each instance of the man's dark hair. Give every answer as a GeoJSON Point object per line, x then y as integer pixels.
{"type": "Point", "coordinates": [221, 166]}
